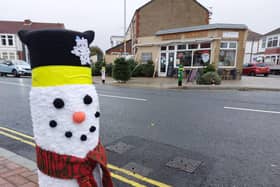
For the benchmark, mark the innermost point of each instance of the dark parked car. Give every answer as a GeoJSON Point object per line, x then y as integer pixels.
{"type": "Point", "coordinates": [14, 67]}
{"type": "Point", "coordinates": [254, 69]}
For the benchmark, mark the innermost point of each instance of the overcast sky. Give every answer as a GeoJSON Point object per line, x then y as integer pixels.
{"type": "Point", "coordinates": [105, 17]}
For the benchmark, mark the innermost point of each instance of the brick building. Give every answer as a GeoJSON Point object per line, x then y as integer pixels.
{"type": "Point", "coordinates": [10, 45]}
{"type": "Point", "coordinates": [158, 15]}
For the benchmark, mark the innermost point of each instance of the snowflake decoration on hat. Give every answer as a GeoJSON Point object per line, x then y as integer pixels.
{"type": "Point", "coordinates": [81, 50]}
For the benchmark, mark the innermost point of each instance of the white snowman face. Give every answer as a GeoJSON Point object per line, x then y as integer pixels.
{"type": "Point", "coordinates": [65, 118]}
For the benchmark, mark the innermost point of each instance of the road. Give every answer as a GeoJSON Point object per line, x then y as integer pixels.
{"type": "Point", "coordinates": [232, 136]}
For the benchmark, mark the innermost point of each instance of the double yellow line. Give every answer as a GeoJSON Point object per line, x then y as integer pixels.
{"type": "Point", "coordinates": [30, 141]}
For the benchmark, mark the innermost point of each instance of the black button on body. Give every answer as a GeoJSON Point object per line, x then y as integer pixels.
{"type": "Point", "coordinates": [83, 137]}
{"type": "Point", "coordinates": [97, 114]}
{"type": "Point", "coordinates": [68, 134]}
{"type": "Point", "coordinates": [92, 129]}
{"type": "Point", "coordinates": [53, 124]}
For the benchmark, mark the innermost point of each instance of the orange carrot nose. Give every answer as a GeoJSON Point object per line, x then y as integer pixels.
{"type": "Point", "coordinates": [79, 117]}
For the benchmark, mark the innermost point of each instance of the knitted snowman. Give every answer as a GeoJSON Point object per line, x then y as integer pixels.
{"type": "Point", "coordinates": [65, 110]}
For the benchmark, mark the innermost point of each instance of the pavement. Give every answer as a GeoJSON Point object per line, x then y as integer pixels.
{"type": "Point", "coordinates": [271, 83]}
{"type": "Point", "coordinates": [16, 170]}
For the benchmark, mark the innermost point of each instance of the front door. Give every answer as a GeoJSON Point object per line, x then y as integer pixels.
{"type": "Point", "coordinates": [163, 65]}
{"type": "Point", "coordinates": [171, 60]}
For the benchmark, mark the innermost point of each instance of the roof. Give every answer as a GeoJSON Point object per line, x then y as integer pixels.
{"type": "Point", "coordinates": [253, 35]}
{"type": "Point", "coordinates": [154, 0]}
{"type": "Point", "coordinates": [276, 31]}
{"type": "Point", "coordinates": [202, 28]}
{"type": "Point", "coordinates": [12, 27]}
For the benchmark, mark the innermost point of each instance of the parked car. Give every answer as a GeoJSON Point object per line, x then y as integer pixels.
{"type": "Point", "coordinates": [14, 67]}
{"type": "Point", "coordinates": [254, 69]}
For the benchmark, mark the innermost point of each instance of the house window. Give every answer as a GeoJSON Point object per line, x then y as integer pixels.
{"type": "Point", "coordinates": [12, 56]}
{"type": "Point", "coordinates": [3, 40]}
{"type": "Point", "coordinates": [10, 40]}
{"type": "Point", "coordinates": [264, 43]}
{"type": "Point", "coordinates": [272, 42]}
{"type": "Point", "coordinates": [146, 57]}
{"type": "Point", "coordinates": [7, 40]}
{"type": "Point", "coordinates": [5, 55]}
{"type": "Point", "coordinates": [227, 56]}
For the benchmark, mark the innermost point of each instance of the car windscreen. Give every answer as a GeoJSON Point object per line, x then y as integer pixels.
{"type": "Point", "coordinates": [261, 65]}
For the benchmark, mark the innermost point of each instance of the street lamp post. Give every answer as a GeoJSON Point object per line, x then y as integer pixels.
{"type": "Point", "coordinates": [124, 28]}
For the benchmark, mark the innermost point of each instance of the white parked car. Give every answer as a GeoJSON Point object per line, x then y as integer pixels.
{"type": "Point", "coordinates": [14, 67]}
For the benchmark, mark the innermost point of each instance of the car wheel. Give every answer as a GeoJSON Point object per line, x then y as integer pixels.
{"type": "Point", "coordinates": [252, 73]}
{"type": "Point", "coordinates": [15, 73]}
{"type": "Point", "coordinates": [266, 75]}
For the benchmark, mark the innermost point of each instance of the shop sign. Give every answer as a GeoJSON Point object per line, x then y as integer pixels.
{"type": "Point", "coordinates": [230, 34]}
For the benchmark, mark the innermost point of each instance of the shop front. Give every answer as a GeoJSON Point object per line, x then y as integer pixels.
{"type": "Point", "coordinates": [222, 45]}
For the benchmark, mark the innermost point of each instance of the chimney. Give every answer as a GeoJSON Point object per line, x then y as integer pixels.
{"type": "Point", "coordinates": [27, 22]}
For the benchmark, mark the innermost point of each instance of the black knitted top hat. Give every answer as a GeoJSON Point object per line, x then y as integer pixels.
{"type": "Point", "coordinates": [57, 47]}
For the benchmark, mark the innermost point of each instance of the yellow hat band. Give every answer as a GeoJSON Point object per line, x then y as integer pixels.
{"type": "Point", "coordinates": [44, 76]}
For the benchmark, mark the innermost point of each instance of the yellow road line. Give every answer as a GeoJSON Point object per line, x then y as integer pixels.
{"type": "Point", "coordinates": [125, 180]}
{"type": "Point", "coordinates": [118, 177]}
{"type": "Point", "coordinates": [17, 138]}
{"type": "Point", "coordinates": [16, 132]}
{"type": "Point", "coordinates": [137, 176]}
{"type": "Point", "coordinates": [127, 172]}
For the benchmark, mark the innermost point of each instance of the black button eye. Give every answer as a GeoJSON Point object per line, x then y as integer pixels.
{"type": "Point", "coordinates": [58, 103]}
{"type": "Point", "coordinates": [53, 124]}
{"type": "Point", "coordinates": [97, 114]}
{"type": "Point", "coordinates": [87, 100]}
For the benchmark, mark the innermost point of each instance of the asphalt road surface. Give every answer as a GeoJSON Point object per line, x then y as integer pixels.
{"type": "Point", "coordinates": [221, 138]}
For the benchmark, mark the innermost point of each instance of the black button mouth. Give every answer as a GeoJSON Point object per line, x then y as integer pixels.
{"type": "Point", "coordinates": [68, 134]}
{"type": "Point", "coordinates": [83, 138]}
{"type": "Point", "coordinates": [92, 129]}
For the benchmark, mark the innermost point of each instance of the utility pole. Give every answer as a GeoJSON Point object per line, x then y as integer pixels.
{"type": "Point", "coordinates": [124, 28]}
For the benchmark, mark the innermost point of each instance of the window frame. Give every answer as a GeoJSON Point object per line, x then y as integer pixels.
{"type": "Point", "coordinates": [7, 38]}
{"type": "Point", "coordinates": [229, 49]}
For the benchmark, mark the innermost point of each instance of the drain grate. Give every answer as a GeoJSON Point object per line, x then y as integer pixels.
{"type": "Point", "coordinates": [184, 164]}
{"type": "Point", "coordinates": [137, 168]}
{"type": "Point", "coordinates": [119, 147]}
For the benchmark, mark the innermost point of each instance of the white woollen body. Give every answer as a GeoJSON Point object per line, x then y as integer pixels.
{"type": "Point", "coordinates": [54, 139]}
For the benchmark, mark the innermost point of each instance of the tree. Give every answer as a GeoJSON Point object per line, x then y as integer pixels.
{"type": "Point", "coordinates": [95, 50]}
{"type": "Point", "coordinates": [121, 70]}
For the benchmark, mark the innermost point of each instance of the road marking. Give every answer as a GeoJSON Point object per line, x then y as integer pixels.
{"type": "Point", "coordinates": [121, 97]}
{"type": "Point", "coordinates": [125, 180]}
{"type": "Point", "coordinates": [110, 166]}
{"type": "Point", "coordinates": [17, 138]}
{"type": "Point", "coordinates": [15, 84]}
{"type": "Point", "coordinates": [252, 110]}
{"type": "Point", "coordinates": [16, 132]}
{"type": "Point", "coordinates": [102, 95]}
{"type": "Point", "coordinates": [137, 176]}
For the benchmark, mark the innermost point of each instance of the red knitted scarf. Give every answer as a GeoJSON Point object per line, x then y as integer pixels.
{"type": "Point", "coordinates": [70, 167]}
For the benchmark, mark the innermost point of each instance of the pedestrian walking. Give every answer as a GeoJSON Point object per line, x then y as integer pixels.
{"type": "Point", "coordinates": [103, 74]}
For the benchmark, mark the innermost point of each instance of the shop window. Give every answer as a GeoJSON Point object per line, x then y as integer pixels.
{"type": "Point", "coordinates": [275, 42]}
{"type": "Point", "coordinates": [227, 56]}
{"type": "Point", "coordinates": [171, 48]}
{"type": "Point", "coordinates": [185, 58]}
{"type": "Point", "coordinates": [163, 48]}
{"type": "Point", "coordinates": [205, 45]}
{"type": "Point", "coordinates": [146, 57]}
{"type": "Point", "coordinates": [181, 47]}
{"type": "Point", "coordinates": [224, 45]}
{"type": "Point", "coordinates": [201, 58]}
{"type": "Point", "coordinates": [193, 46]}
